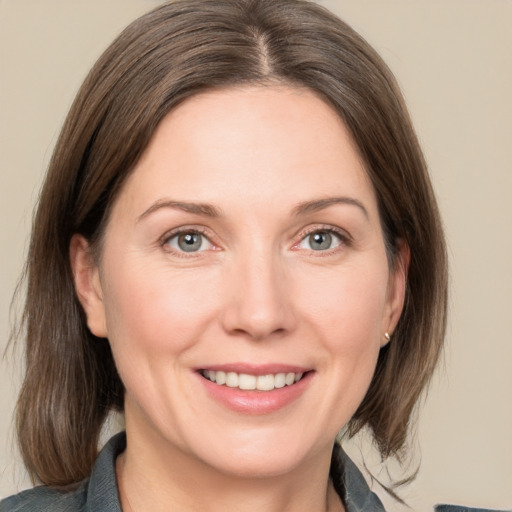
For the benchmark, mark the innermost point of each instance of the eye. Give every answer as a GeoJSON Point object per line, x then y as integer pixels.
{"type": "Point", "coordinates": [188, 241]}
{"type": "Point", "coordinates": [321, 240]}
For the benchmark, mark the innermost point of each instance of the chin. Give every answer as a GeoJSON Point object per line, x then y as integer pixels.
{"type": "Point", "coordinates": [260, 467]}
{"type": "Point", "coordinates": [263, 458]}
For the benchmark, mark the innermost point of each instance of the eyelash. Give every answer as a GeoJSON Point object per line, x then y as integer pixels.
{"type": "Point", "coordinates": [164, 241]}
{"type": "Point", "coordinates": [342, 236]}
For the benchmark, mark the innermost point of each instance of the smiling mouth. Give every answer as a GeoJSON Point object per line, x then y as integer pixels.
{"type": "Point", "coordinates": [248, 382]}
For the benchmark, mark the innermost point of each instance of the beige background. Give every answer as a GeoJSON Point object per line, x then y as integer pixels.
{"type": "Point", "coordinates": [453, 60]}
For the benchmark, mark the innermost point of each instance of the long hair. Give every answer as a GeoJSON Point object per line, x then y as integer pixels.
{"type": "Point", "coordinates": [161, 59]}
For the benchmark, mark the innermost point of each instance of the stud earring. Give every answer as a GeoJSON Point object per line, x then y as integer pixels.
{"type": "Point", "coordinates": [387, 336]}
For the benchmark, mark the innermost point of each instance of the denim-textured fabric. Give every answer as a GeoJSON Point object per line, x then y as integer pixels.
{"type": "Point", "coordinates": [99, 492]}
{"type": "Point", "coordinates": [455, 508]}
{"type": "Point", "coordinates": [96, 494]}
{"type": "Point", "coordinates": [351, 485]}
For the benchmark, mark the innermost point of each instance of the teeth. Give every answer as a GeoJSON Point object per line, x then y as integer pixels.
{"type": "Point", "coordinates": [279, 380]}
{"type": "Point", "coordinates": [246, 381]}
{"type": "Point", "coordinates": [265, 382]}
{"type": "Point", "coordinates": [251, 382]}
{"type": "Point", "coordinates": [232, 379]}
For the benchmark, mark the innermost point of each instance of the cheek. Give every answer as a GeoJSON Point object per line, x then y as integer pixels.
{"type": "Point", "coordinates": [350, 303]}
{"type": "Point", "coordinates": [348, 315]}
{"type": "Point", "coordinates": [153, 309]}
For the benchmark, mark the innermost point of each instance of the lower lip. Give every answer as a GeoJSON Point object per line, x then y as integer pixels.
{"type": "Point", "coordinates": [256, 402]}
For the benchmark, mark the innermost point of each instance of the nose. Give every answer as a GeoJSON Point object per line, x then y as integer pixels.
{"type": "Point", "coordinates": [259, 302]}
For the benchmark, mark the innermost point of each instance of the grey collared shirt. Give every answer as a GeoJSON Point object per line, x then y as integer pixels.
{"type": "Point", "coordinates": [99, 493]}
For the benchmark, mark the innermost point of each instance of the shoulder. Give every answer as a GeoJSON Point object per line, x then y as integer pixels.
{"type": "Point", "coordinates": [97, 494]}
{"type": "Point", "coordinates": [357, 496]}
{"type": "Point", "coordinates": [44, 499]}
{"type": "Point", "coordinates": [457, 508]}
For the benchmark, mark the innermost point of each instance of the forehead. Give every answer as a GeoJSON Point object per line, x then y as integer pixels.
{"type": "Point", "coordinates": [250, 144]}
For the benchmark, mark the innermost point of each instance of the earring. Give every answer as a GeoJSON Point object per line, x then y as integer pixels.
{"type": "Point", "coordinates": [387, 336]}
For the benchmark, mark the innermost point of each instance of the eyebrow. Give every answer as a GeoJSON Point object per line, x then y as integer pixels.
{"type": "Point", "coordinates": [205, 209]}
{"type": "Point", "coordinates": [320, 204]}
{"type": "Point", "coordinates": [209, 210]}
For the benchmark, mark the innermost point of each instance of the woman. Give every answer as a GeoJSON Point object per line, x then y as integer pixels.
{"type": "Point", "coordinates": [236, 245]}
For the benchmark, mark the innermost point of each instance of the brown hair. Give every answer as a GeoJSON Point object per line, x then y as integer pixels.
{"type": "Point", "coordinates": [166, 56]}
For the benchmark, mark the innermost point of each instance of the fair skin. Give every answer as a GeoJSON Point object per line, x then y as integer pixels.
{"type": "Point", "coordinates": [246, 241]}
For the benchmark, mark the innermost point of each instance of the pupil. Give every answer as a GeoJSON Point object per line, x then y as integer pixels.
{"type": "Point", "coordinates": [320, 241]}
{"type": "Point", "coordinates": [189, 242]}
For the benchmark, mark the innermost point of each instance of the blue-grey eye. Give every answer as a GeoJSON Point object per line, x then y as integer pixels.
{"type": "Point", "coordinates": [188, 242]}
{"type": "Point", "coordinates": [320, 241]}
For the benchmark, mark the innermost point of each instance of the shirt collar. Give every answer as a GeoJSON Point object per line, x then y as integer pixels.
{"type": "Point", "coordinates": [351, 485]}
{"type": "Point", "coordinates": [102, 492]}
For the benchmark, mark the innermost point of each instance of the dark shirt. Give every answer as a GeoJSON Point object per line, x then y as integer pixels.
{"type": "Point", "coordinates": [99, 492]}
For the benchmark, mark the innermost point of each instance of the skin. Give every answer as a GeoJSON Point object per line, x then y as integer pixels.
{"type": "Point", "coordinates": [256, 292]}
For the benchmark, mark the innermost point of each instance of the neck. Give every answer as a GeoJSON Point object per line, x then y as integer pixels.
{"type": "Point", "coordinates": [155, 479]}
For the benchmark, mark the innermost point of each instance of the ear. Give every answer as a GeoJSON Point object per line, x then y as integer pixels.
{"type": "Point", "coordinates": [396, 289]}
{"type": "Point", "coordinates": [86, 277]}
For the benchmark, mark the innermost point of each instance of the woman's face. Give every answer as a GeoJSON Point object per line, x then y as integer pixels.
{"type": "Point", "coordinates": [245, 247]}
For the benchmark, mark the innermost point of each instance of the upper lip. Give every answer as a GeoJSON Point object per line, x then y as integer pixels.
{"type": "Point", "coordinates": [255, 369]}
